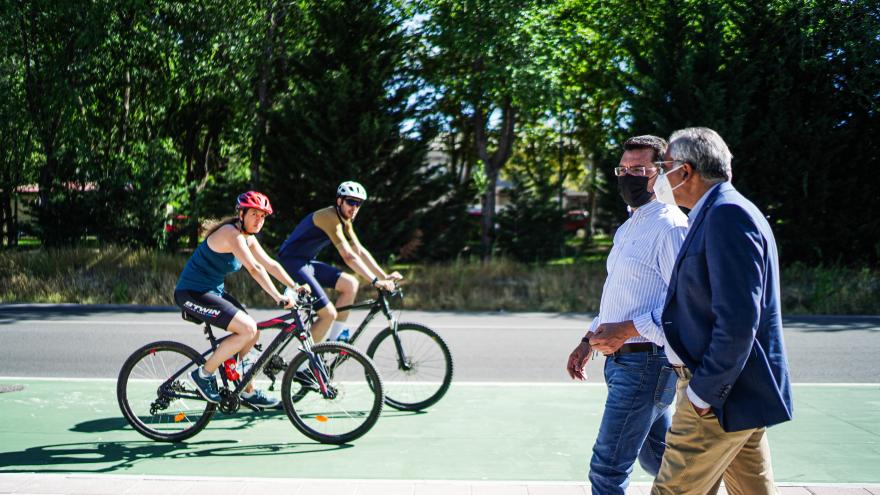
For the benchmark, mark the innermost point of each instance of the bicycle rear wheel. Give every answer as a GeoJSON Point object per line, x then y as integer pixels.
{"type": "Point", "coordinates": [426, 374]}
{"type": "Point", "coordinates": [155, 393]}
{"type": "Point", "coordinates": [354, 400]}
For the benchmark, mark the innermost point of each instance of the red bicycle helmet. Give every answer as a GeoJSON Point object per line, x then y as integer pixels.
{"type": "Point", "coordinates": [254, 199]}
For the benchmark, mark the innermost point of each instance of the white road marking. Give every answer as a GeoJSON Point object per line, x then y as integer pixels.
{"type": "Point", "coordinates": [181, 323]}
{"type": "Point", "coordinates": [458, 383]}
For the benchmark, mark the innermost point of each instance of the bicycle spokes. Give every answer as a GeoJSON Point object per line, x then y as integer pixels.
{"type": "Point", "coordinates": [156, 396]}
{"type": "Point", "coordinates": [335, 406]}
{"type": "Point", "coordinates": [415, 364]}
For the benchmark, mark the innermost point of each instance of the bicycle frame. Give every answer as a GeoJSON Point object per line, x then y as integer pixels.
{"type": "Point", "coordinates": [376, 306]}
{"type": "Point", "coordinates": [289, 330]}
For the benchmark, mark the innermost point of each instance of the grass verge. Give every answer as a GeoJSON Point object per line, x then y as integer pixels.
{"type": "Point", "coordinates": [114, 275]}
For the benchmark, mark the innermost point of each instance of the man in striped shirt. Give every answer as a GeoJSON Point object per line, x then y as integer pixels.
{"type": "Point", "coordinates": [641, 384]}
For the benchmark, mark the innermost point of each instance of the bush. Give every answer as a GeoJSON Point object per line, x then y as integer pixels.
{"type": "Point", "coordinates": [530, 229]}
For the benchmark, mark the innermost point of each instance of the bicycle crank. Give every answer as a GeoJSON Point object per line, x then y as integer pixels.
{"type": "Point", "coordinates": [229, 402]}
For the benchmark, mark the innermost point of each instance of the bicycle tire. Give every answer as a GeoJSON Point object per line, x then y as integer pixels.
{"type": "Point", "coordinates": [354, 376]}
{"type": "Point", "coordinates": [160, 359]}
{"type": "Point", "coordinates": [406, 390]}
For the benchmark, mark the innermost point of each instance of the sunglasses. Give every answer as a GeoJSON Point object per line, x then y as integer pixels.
{"type": "Point", "coordinates": [353, 202]}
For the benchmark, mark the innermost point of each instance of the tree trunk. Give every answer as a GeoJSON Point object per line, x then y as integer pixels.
{"type": "Point", "coordinates": [5, 219]}
{"type": "Point", "coordinates": [126, 108]}
{"type": "Point", "coordinates": [192, 177]}
{"type": "Point", "coordinates": [493, 164]}
{"type": "Point", "coordinates": [264, 99]}
{"type": "Point", "coordinates": [204, 173]}
{"type": "Point", "coordinates": [44, 120]}
{"type": "Point", "coordinates": [46, 173]}
{"type": "Point", "coordinates": [488, 217]}
{"type": "Point", "coordinates": [592, 196]}
{"type": "Point", "coordinates": [561, 175]}
{"type": "Point", "coordinates": [12, 220]}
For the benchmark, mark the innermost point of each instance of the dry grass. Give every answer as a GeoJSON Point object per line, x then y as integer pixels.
{"type": "Point", "coordinates": [829, 290]}
{"type": "Point", "coordinates": [113, 275]}
{"type": "Point", "coordinates": [505, 285]}
{"type": "Point", "coordinates": [89, 276]}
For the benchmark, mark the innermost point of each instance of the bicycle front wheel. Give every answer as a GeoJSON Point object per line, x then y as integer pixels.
{"type": "Point", "coordinates": [422, 375]}
{"type": "Point", "coordinates": [155, 393]}
{"type": "Point", "coordinates": [341, 404]}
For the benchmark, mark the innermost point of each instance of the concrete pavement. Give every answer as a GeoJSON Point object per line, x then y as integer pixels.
{"type": "Point", "coordinates": [81, 484]}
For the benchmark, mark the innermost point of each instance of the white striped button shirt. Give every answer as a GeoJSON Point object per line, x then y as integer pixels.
{"type": "Point", "coordinates": [639, 266]}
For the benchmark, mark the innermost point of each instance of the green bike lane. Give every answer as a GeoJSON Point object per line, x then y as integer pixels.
{"type": "Point", "coordinates": [479, 431]}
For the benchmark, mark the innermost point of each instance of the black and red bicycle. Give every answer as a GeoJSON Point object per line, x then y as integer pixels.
{"type": "Point", "coordinates": [337, 398]}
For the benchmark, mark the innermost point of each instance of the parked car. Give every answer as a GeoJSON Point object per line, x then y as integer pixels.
{"type": "Point", "coordinates": [576, 220]}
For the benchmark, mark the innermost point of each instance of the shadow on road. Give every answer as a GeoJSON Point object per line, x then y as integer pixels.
{"type": "Point", "coordinates": [104, 457]}
{"type": "Point", "coordinates": [240, 421]}
{"type": "Point", "coordinates": [830, 324]}
{"type": "Point", "coordinates": [22, 312]}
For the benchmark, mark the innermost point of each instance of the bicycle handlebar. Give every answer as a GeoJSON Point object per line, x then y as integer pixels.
{"type": "Point", "coordinates": [397, 290]}
{"type": "Point", "coordinates": [305, 300]}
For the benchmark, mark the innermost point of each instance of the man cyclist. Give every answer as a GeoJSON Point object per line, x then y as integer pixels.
{"type": "Point", "coordinates": [318, 229]}
{"type": "Point", "coordinates": [229, 245]}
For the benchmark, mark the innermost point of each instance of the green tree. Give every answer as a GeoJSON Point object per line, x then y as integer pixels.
{"type": "Point", "coordinates": [351, 112]}
{"type": "Point", "coordinates": [17, 164]}
{"type": "Point", "coordinates": [53, 41]}
{"type": "Point", "coordinates": [482, 55]}
{"type": "Point", "coordinates": [592, 77]}
{"type": "Point", "coordinates": [531, 226]}
{"type": "Point", "coordinates": [793, 88]}
{"type": "Point", "coordinates": [115, 92]}
{"type": "Point", "coordinates": [210, 74]}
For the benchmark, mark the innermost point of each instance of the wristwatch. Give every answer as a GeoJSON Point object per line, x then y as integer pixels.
{"type": "Point", "coordinates": [375, 279]}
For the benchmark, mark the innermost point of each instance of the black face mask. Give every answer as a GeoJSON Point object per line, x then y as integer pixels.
{"type": "Point", "coordinates": [633, 190]}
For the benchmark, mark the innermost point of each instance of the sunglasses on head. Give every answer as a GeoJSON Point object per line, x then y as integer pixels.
{"type": "Point", "coordinates": [353, 202]}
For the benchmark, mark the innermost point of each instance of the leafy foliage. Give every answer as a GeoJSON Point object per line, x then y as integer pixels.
{"type": "Point", "coordinates": [351, 98]}
{"type": "Point", "coordinates": [123, 112]}
{"type": "Point", "coordinates": [793, 88]}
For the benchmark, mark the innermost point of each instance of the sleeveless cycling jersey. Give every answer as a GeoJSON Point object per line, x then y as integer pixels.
{"type": "Point", "coordinates": [315, 232]}
{"type": "Point", "coordinates": [206, 270]}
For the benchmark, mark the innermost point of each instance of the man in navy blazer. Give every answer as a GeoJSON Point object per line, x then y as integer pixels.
{"type": "Point", "coordinates": [723, 319]}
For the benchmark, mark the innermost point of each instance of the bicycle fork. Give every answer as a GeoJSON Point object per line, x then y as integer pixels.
{"type": "Point", "coordinates": [403, 363]}
{"type": "Point", "coordinates": [318, 369]}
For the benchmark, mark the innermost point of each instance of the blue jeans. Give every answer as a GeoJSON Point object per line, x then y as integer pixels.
{"type": "Point", "coordinates": [641, 387]}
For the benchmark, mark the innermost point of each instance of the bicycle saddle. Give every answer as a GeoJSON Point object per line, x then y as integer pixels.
{"type": "Point", "coordinates": [190, 318]}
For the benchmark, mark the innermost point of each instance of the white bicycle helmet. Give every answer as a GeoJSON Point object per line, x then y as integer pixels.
{"type": "Point", "coordinates": [351, 189]}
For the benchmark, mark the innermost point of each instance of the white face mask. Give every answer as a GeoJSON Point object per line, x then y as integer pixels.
{"type": "Point", "coordinates": [663, 189]}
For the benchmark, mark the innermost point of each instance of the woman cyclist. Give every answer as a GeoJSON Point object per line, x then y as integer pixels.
{"type": "Point", "coordinates": [229, 245]}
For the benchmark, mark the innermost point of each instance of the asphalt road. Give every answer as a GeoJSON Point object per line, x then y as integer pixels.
{"type": "Point", "coordinates": [93, 342]}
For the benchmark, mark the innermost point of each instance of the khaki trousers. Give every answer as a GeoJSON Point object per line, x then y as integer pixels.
{"type": "Point", "coordinates": [699, 454]}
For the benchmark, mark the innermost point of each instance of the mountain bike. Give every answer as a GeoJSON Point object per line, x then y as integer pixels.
{"type": "Point", "coordinates": [158, 399]}
{"type": "Point", "coordinates": [414, 361]}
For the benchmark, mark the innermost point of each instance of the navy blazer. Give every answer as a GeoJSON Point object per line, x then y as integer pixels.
{"type": "Point", "coordinates": [723, 316]}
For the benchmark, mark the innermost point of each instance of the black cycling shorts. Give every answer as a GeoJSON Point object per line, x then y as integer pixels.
{"type": "Point", "coordinates": [216, 310]}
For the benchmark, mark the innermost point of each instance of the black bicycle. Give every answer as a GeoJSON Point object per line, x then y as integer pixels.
{"type": "Point", "coordinates": [157, 398]}
{"type": "Point", "coordinates": [414, 361]}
